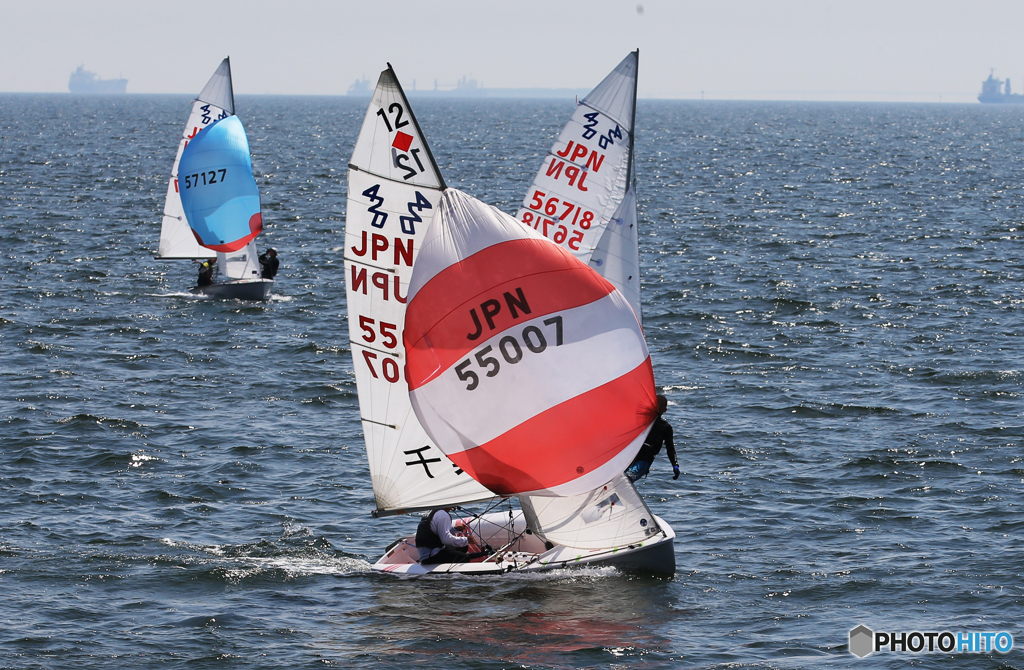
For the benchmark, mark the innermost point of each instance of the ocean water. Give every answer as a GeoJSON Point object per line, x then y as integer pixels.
{"type": "Point", "coordinates": [833, 302]}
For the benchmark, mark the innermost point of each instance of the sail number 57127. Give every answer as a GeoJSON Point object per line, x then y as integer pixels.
{"type": "Point", "coordinates": [511, 351]}
{"type": "Point", "coordinates": [193, 179]}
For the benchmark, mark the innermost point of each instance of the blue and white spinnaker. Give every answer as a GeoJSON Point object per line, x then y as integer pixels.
{"type": "Point", "coordinates": [218, 192]}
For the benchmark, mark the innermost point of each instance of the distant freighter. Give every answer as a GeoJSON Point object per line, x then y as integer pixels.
{"type": "Point", "coordinates": [83, 81]}
{"type": "Point", "coordinates": [996, 90]}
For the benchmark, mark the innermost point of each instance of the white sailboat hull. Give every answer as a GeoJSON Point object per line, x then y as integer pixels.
{"type": "Point", "coordinates": [238, 289]}
{"type": "Point", "coordinates": [518, 550]}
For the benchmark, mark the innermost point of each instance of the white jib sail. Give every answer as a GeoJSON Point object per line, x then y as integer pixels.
{"type": "Point", "coordinates": [241, 264]}
{"type": "Point", "coordinates": [393, 191]}
{"type": "Point", "coordinates": [585, 175]}
{"type": "Point", "coordinates": [215, 102]}
{"type": "Point", "coordinates": [613, 515]}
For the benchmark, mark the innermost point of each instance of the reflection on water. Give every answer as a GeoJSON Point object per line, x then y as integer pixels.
{"type": "Point", "coordinates": [563, 618]}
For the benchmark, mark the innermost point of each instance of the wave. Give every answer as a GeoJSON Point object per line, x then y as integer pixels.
{"type": "Point", "coordinates": [106, 422]}
{"type": "Point", "coordinates": [264, 559]}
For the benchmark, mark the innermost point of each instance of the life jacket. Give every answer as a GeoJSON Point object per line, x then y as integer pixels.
{"type": "Point", "coordinates": [425, 535]}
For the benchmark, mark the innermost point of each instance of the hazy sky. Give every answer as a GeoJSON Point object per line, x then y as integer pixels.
{"type": "Point", "coordinates": [911, 50]}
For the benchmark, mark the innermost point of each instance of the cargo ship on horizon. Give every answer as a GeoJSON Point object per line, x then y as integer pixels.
{"type": "Point", "coordinates": [83, 81]}
{"type": "Point", "coordinates": [998, 90]}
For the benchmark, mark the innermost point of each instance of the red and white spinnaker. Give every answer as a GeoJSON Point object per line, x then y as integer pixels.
{"type": "Point", "coordinates": [526, 367]}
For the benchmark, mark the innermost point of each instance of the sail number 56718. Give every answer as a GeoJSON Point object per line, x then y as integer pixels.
{"type": "Point", "coordinates": [510, 349]}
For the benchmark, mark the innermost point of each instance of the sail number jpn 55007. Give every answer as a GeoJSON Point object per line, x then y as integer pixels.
{"type": "Point", "coordinates": [510, 349]}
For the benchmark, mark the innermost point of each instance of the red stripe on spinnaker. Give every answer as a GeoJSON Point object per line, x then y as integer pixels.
{"type": "Point", "coordinates": [438, 320]}
{"type": "Point", "coordinates": [237, 244]}
{"type": "Point", "coordinates": [567, 441]}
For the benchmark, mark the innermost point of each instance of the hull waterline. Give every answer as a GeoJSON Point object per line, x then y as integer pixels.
{"type": "Point", "coordinates": [520, 551]}
{"type": "Point", "coordinates": [243, 289]}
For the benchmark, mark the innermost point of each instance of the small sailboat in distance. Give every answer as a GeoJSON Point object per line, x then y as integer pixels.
{"type": "Point", "coordinates": [491, 364]}
{"type": "Point", "coordinates": [203, 210]}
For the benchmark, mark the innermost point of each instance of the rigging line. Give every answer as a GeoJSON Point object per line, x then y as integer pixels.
{"type": "Point", "coordinates": [508, 544]}
{"type": "Point", "coordinates": [493, 505]}
{"type": "Point", "coordinates": [512, 537]}
{"type": "Point", "coordinates": [507, 527]}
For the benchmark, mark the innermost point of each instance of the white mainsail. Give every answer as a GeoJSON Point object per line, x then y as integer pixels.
{"type": "Point", "coordinates": [582, 185]}
{"type": "Point", "coordinates": [393, 191]}
{"type": "Point", "coordinates": [215, 102]}
{"type": "Point", "coordinates": [598, 140]}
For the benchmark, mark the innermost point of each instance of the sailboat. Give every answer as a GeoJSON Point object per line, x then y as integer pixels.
{"type": "Point", "coordinates": [178, 240]}
{"type": "Point", "coordinates": [491, 364]}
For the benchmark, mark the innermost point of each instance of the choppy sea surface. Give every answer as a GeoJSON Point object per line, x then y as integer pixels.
{"type": "Point", "coordinates": [833, 300]}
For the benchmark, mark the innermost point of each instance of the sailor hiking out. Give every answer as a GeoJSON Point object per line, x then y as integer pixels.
{"type": "Point", "coordinates": [660, 434]}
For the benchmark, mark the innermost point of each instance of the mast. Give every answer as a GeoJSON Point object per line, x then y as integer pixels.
{"type": "Point", "coordinates": [231, 85]}
{"type": "Point", "coordinates": [632, 123]}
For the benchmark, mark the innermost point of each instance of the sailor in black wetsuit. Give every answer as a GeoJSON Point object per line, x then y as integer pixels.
{"type": "Point", "coordinates": [205, 273]}
{"type": "Point", "coordinates": [269, 263]}
{"type": "Point", "coordinates": [660, 434]}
